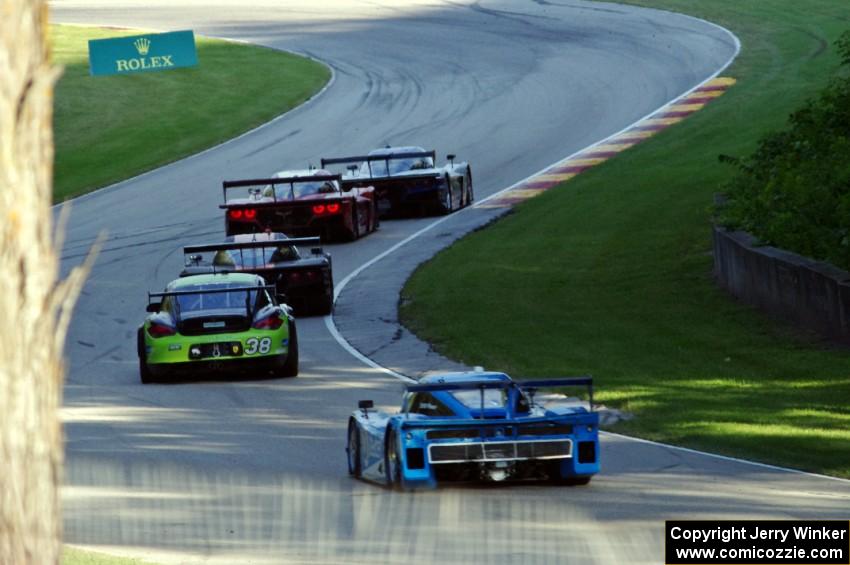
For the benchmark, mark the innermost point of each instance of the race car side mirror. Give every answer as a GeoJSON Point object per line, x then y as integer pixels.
{"type": "Point", "coordinates": [451, 157]}
{"type": "Point", "coordinates": [365, 406]}
{"type": "Point", "coordinates": [154, 307]}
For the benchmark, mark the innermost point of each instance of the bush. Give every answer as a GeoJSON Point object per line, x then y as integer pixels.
{"type": "Point", "coordinates": [794, 191]}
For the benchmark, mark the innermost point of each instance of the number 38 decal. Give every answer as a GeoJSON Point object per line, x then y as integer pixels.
{"type": "Point", "coordinates": [261, 346]}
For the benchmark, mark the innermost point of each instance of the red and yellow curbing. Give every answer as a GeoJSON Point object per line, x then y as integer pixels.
{"type": "Point", "coordinates": [670, 114]}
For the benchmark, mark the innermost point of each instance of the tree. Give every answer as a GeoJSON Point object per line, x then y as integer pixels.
{"type": "Point", "coordinates": [35, 306]}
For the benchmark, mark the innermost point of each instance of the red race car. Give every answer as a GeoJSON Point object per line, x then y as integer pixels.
{"type": "Point", "coordinates": [300, 203]}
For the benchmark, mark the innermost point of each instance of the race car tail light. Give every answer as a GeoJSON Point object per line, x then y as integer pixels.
{"type": "Point", "coordinates": [312, 275]}
{"type": "Point", "coordinates": [243, 215]}
{"type": "Point", "coordinates": [295, 277]}
{"type": "Point", "coordinates": [272, 322]}
{"type": "Point", "coordinates": [326, 209]}
{"type": "Point", "coordinates": [160, 330]}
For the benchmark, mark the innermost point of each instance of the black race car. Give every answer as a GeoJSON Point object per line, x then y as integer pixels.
{"type": "Point", "coordinates": [407, 179]}
{"type": "Point", "coordinates": [304, 281]}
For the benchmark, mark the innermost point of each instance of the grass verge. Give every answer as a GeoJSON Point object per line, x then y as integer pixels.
{"type": "Point", "coordinates": [74, 556]}
{"type": "Point", "coordinates": [610, 274]}
{"type": "Point", "coordinates": [109, 128]}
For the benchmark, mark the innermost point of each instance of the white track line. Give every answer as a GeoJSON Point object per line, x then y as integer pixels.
{"type": "Point", "coordinates": [727, 458]}
{"type": "Point", "coordinates": [339, 287]}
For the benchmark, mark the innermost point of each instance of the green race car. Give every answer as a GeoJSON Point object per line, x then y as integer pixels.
{"type": "Point", "coordinates": [219, 322]}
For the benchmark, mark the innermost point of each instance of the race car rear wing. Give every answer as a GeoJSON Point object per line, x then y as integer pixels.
{"type": "Point", "coordinates": [431, 423]}
{"type": "Point", "coordinates": [228, 246]}
{"type": "Point", "coordinates": [529, 387]}
{"type": "Point", "coordinates": [369, 159]}
{"type": "Point", "coordinates": [156, 305]}
{"type": "Point", "coordinates": [379, 181]}
{"type": "Point", "coordinates": [192, 257]}
{"type": "Point", "coordinates": [273, 181]}
{"type": "Point", "coordinates": [209, 290]}
{"type": "Point", "coordinates": [372, 158]}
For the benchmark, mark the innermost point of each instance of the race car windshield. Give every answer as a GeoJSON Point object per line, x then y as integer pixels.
{"type": "Point", "coordinates": [254, 258]}
{"type": "Point", "coordinates": [289, 191]}
{"type": "Point", "coordinates": [396, 166]}
{"type": "Point", "coordinates": [493, 398]}
{"type": "Point", "coordinates": [188, 303]}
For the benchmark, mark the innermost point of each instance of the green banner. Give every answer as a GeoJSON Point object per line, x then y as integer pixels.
{"type": "Point", "coordinates": [142, 53]}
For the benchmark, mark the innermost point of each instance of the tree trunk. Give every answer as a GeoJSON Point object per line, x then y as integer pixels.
{"type": "Point", "coordinates": [34, 306]}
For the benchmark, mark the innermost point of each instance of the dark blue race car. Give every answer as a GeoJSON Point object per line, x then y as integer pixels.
{"type": "Point", "coordinates": [475, 426]}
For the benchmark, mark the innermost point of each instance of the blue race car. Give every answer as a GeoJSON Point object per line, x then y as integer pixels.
{"type": "Point", "coordinates": [475, 426]}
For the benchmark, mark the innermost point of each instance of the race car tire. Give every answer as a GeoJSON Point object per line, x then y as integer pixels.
{"type": "Point", "coordinates": [470, 195]}
{"type": "Point", "coordinates": [355, 465]}
{"type": "Point", "coordinates": [556, 478]}
{"type": "Point", "coordinates": [145, 374]}
{"type": "Point", "coordinates": [355, 225]}
{"type": "Point", "coordinates": [290, 366]}
{"type": "Point", "coordinates": [324, 305]}
{"type": "Point", "coordinates": [376, 221]}
{"type": "Point", "coordinates": [447, 204]}
{"type": "Point", "coordinates": [574, 481]}
{"type": "Point", "coordinates": [392, 469]}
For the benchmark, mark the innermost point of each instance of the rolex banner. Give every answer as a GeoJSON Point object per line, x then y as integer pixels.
{"type": "Point", "coordinates": [142, 53]}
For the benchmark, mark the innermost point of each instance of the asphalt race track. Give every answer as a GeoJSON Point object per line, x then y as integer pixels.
{"type": "Point", "coordinates": [254, 471]}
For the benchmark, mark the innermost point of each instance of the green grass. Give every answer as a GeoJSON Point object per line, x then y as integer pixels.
{"type": "Point", "coordinates": [109, 128]}
{"type": "Point", "coordinates": [73, 556]}
{"type": "Point", "coordinates": [610, 273]}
